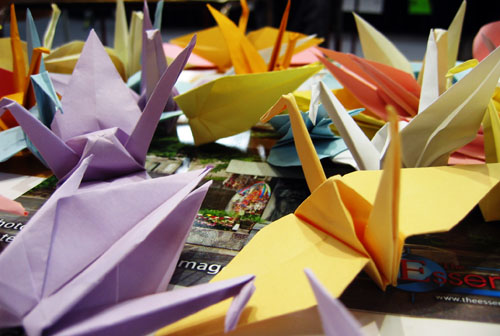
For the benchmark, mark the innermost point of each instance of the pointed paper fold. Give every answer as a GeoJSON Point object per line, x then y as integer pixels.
{"type": "Point", "coordinates": [347, 222]}
{"type": "Point", "coordinates": [99, 116]}
{"type": "Point", "coordinates": [363, 151]}
{"type": "Point", "coordinates": [279, 39]}
{"type": "Point", "coordinates": [79, 284]}
{"type": "Point", "coordinates": [374, 84]}
{"type": "Point", "coordinates": [48, 37]}
{"type": "Point", "coordinates": [10, 206]}
{"type": "Point", "coordinates": [335, 318]}
{"type": "Point", "coordinates": [32, 37]}
{"type": "Point", "coordinates": [228, 105]}
{"type": "Point", "coordinates": [121, 34]}
{"type": "Point", "coordinates": [244, 56]}
{"type": "Point", "coordinates": [376, 47]}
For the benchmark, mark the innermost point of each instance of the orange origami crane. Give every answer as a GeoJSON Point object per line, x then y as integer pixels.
{"type": "Point", "coordinates": [348, 223]}
{"type": "Point", "coordinates": [227, 45]}
{"type": "Point", "coordinates": [16, 84]}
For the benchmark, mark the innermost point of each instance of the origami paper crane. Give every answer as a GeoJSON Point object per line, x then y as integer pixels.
{"type": "Point", "coordinates": [385, 76]}
{"type": "Point", "coordinates": [99, 116]}
{"type": "Point", "coordinates": [97, 259]}
{"type": "Point", "coordinates": [361, 79]}
{"type": "Point", "coordinates": [326, 144]}
{"type": "Point", "coordinates": [16, 84]}
{"type": "Point", "coordinates": [128, 40]}
{"type": "Point", "coordinates": [226, 44]}
{"type": "Point", "coordinates": [229, 105]}
{"type": "Point", "coordinates": [8, 205]}
{"type": "Point", "coordinates": [451, 121]}
{"type": "Point", "coordinates": [126, 53]}
{"type": "Point", "coordinates": [356, 221]}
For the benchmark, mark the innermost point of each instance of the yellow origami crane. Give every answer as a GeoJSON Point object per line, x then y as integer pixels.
{"type": "Point", "coordinates": [348, 223]}
{"type": "Point", "coordinates": [232, 104]}
{"type": "Point", "coordinates": [125, 55]}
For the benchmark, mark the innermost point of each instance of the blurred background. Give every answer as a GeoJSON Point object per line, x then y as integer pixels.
{"type": "Point", "coordinates": [405, 22]}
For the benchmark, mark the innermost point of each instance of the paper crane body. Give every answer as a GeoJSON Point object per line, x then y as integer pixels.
{"type": "Point", "coordinates": [99, 116]}
{"type": "Point", "coordinates": [229, 105]}
{"type": "Point", "coordinates": [93, 259]}
{"type": "Point", "coordinates": [348, 223]}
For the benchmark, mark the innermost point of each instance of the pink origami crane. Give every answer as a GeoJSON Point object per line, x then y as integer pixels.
{"type": "Point", "coordinates": [99, 116]}
{"type": "Point", "coordinates": [96, 260]}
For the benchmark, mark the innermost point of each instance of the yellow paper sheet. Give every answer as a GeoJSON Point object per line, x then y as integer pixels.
{"type": "Point", "coordinates": [454, 32]}
{"type": "Point", "coordinates": [233, 104]}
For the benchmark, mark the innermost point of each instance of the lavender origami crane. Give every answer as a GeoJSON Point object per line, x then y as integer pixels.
{"type": "Point", "coordinates": [99, 116]}
{"type": "Point", "coordinates": [96, 260]}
